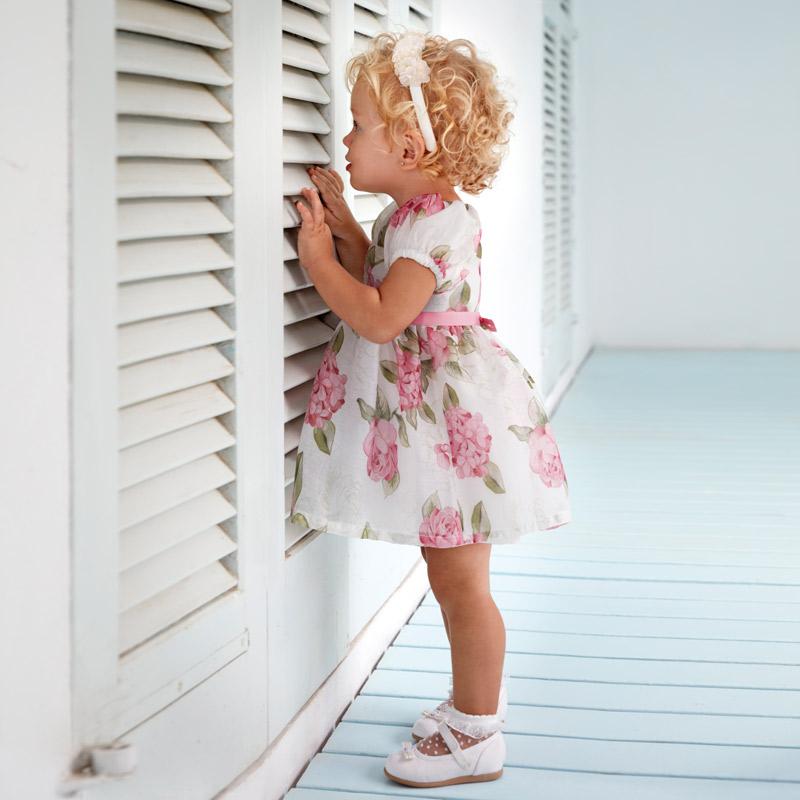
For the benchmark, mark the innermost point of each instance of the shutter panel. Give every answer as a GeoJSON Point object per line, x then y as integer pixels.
{"type": "Point", "coordinates": [557, 189]}
{"type": "Point", "coordinates": [307, 320]}
{"type": "Point", "coordinates": [175, 325]}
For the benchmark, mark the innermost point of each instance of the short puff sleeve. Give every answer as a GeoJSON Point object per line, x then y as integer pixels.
{"type": "Point", "coordinates": [425, 230]}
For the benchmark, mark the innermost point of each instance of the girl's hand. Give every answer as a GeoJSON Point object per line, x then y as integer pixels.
{"type": "Point", "coordinates": [338, 215]}
{"type": "Point", "coordinates": [314, 239]}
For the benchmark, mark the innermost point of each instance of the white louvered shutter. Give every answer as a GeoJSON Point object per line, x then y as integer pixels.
{"type": "Point", "coordinates": [176, 331]}
{"type": "Point", "coordinates": [308, 322]}
{"type": "Point", "coordinates": [557, 186]}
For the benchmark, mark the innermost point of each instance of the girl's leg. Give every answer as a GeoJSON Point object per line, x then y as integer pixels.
{"type": "Point", "coordinates": [459, 578]}
{"type": "Point", "coordinates": [441, 608]}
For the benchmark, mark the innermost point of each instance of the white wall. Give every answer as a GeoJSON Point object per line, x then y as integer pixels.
{"type": "Point", "coordinates": [35, 741]}
{"type": "Point", "coordinates": [688, 123]}
{"type": "Point", "coordinates": [511, 211]}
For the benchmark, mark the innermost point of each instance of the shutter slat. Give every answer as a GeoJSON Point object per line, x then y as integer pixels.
{"type": "Point", "coordinates": [378, 6]}
{"type": "Point", "coordinates": [150, 258]}
{"type": "Point", "coordinates": [152, 497]}
{"type": "Point", "coordinates": [320, 6]}
{"type": "Point", "coordinates": [171, 21]}
{"type": "Point", "coordinates": [305, 23]}
{"type": "Point", "coordinates": [295, 277]}
{"type": "Point", "coordinates": [300, 53]}
{"type": "Point", "coordinates": [145, 55]}
{"type": "Point", "coordinates": [367, 207]}
{"type": "Point", "coordinates": [147, 219]}
{"type": "Point", "coordinates": [161, 97]}
{"type": "Point", "coordinates": [160, 337]}
{"type": "Point", "coordinates": [141, 582]}
{"type": "Point", "coordinates": [149, 459]}
{"type": "Point", "coordinates": [365, 22]}
{"type": "Point", "coordinates": [422, 7]}
{"type": "Point", "coordinates": [299, 115]}
{"type": "Point", "coordinates": [301, 367]}
{"type": "Point", "coordinates": [169, 412]}
{"type": "Point", "coordinates": [144, 541]}
{"type": "Point", "coordinates": [417, 22]}
{"type": "Point", "coordinates": [169, 177]}
{"type": "Point", "coordinates": [149, 379]}
{"type": "Point", "coordinates": [173, 604]}
{"type": "Point", "coordinates": [304, 335]}
{"type": "Point", "coordinates": [360, 42]}
{"type": "Point", "coordinates": [302, 304]}
{"type": "Point", "coordinates": [220, 6]}
{"type": "Point", "coordinates": [303, 148]}
{"type": "Point", "coordinates": [158, 297]}
{"type": "Point", "coordinates": [303, 86]}
{"type": "Point", "coordinates": [169, 138]}
{"type": "Point", "coordinates": [295, 401]}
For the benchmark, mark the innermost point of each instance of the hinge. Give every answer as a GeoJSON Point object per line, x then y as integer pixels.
{"type": "Point", "coordinates": [99, 764]}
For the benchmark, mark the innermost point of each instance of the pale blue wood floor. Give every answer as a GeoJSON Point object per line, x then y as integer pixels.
{"type": "Point", "coordinates": [653, 643]}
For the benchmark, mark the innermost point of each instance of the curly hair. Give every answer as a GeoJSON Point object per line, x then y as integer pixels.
{"type": "Point", "coordinates": [469, 115]}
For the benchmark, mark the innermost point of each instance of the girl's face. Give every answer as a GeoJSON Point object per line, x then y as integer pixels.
{"type": "Point", "coordinates": [374, 164]}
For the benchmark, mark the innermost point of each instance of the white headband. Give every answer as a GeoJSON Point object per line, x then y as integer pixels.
{"type": "Point", "coordinates": [412, 71]}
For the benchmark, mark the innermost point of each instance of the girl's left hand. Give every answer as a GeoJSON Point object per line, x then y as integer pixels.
{"type": "Point", "coordinates": [314, 239]}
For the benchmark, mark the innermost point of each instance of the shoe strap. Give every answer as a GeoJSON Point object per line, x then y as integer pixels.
{"type": "Point", "coordinates": [455, 748]}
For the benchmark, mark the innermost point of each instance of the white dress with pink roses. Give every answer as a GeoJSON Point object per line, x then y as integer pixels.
{"type": "Point", "coordinates": [438, 437]}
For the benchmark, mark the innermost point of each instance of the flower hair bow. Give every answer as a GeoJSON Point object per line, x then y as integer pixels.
{"type": "Point", "coordinates": [412, 71]}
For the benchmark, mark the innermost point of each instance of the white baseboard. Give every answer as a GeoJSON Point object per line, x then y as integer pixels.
{"type": "Point", "coordinates": [280, 766]}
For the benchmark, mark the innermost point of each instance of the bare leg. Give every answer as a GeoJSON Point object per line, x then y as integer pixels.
{"type": "Point", "coordinates": [441, 608]}
{"type": "Point", "coordinates": [459, 577]}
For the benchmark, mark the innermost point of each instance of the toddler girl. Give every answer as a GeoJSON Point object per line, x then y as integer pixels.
{"type": "Point", "coordinates": [422, 427]}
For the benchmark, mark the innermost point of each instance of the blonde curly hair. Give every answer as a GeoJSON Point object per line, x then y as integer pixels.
{"type": "Point", "coordinates": [469, 115]}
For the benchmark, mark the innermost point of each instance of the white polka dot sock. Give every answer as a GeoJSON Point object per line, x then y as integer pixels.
{"type": "Point", "coordinates": [435, 745]}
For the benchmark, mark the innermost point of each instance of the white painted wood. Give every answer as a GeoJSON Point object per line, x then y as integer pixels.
{"type": "Point", "coordinates": [170, 20]}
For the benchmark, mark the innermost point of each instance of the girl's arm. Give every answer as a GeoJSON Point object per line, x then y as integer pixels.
{"type": "Point", "coordinates": [351, 248]}
{"type": "Point", "coordinates": [376, 313]}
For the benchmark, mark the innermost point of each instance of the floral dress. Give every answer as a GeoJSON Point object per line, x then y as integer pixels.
{"type": "Point", "coordinates": [438, 437]}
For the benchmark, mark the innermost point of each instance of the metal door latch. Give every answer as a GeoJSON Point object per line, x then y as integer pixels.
{"type": "Point", "coordinates": [99, 764]}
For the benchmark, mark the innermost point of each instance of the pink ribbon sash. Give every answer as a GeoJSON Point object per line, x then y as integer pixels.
{"type": "Point", "coordinates": [453, 318]}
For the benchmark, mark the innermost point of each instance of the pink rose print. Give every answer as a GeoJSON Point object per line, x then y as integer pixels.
{"type": "Point", "coordinates": [441, 528]}
{"type": "Point", "coordinates": [470, 442]}
{"type": "Point", "coordinates": [545, 459]}
{"type": "Point", "coordinates": [442, 455]}
{"type": "Point", "coordinates": [409, 385]}
{"type": "Point", "coordinates": [380, 446]}
{"type": "Point", "coordinates": [327, 393]}
{"type": "Point", "coordinates": [436, 344]}
{"type": "Point", "coordinates": [429, 203]}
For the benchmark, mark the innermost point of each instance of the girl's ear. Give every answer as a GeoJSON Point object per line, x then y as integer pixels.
{"type": "Point", "coordinates": [414, 147]}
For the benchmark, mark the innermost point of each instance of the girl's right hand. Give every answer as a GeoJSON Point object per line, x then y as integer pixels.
{"type": "Point", "coordinates": [338, 215]}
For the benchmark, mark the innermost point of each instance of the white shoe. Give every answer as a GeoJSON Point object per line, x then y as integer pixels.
{"type": "Point", "coordinates": [427, 723]}
{"type": "Point", "coordinates": [482, 761]}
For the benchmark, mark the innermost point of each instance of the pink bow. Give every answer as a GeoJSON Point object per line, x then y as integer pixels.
{"type": "Point", "coordinates": [485, 322]}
